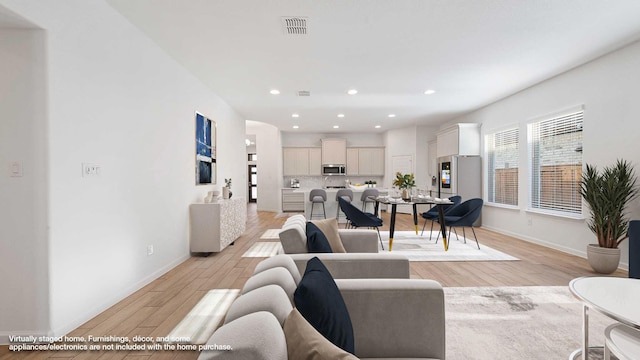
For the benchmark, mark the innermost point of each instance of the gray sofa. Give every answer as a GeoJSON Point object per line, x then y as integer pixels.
{"type": "Point", "coordinates": [392, 318]}
{"type": "Point", "coordinates": [293, 237]}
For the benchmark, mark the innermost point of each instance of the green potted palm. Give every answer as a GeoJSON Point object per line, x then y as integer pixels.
{"type": "Point", "coordinates": [607, 193]}
{"type": "Point", "coordinates": [404, 182]}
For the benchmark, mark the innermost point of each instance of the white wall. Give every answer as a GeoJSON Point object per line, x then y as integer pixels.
{"type": "Point", "coordinates": [424, 134]}
{"type": "Point", "coordinates": [23, 200]}
{"type": "Point", "coordinates": [294, 139]}
{"type": "Point", "coordinates": [608, 89]}
{"type": "Point", "coordinates": [269, 165]}
{"type": "Point", "coordinates": [117, 100]}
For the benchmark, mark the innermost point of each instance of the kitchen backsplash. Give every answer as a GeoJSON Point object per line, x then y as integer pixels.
{"type": "Point", "coordinates": [313, 182]}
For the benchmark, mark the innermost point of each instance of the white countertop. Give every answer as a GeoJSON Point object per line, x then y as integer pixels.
{"type": "Point", "coordinates": [334, 190]}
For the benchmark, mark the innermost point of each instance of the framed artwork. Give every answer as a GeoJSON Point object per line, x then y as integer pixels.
{"type": "Point", "coordinates": [205, 150]}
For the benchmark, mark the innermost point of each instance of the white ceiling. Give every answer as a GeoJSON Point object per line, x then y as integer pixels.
{"type": "Point", "coordinates": [472, 52]}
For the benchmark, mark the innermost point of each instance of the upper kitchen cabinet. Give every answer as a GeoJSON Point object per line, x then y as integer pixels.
{"type": "Point", "coordinates": [315, 161]}
{"type": "Point", "coordinates": [334, 151]}
{"type": "Point", "coordinates": [365, 161]}
{"type": "Point", "coordinates": [353, 158]}
{"type": "Point", "coordinates": [301, 161]}
{"type": "Point", "coordinates": [459, 139]}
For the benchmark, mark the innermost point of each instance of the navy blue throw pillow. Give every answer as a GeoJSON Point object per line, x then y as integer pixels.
{"type": "Point", "coordinates": [316, 240]}
{"type": "Point", "coordinates": [318, 299]}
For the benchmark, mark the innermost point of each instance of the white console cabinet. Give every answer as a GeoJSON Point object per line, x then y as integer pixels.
{"type": "Point", "coordinates": [213, 226]}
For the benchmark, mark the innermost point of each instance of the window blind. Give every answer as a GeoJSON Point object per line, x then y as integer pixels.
{"type": "Point", "coordinates": [502, 156]}
{"type": "Point", "coordinates": [555, 151]}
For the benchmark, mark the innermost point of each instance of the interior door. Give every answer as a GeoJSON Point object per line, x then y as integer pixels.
{"type": "Point", "coordinates": [253, 183]}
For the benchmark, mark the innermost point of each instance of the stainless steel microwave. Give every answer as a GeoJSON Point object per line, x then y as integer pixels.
{"type": "Point", "coordinates": [330, 169]}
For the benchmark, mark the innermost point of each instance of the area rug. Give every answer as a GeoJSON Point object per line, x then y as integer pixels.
{"type": "Point", "coordinates": [263, 249]}
{"type": "Point", "coordinates": [271, 234]}
{"type": "Point", "coordinates": [204, 318]}
{"type": "Point", "coordinates": [420, 248]}
{"type": "Point", "coordinates": [531, 322]}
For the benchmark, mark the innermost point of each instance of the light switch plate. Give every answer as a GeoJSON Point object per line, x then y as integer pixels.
{"type": "Point", "coordinates": [15, 169]}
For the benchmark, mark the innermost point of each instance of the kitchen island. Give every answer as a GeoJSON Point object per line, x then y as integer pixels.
{"type": "Point", "coordinates": [331, 205]}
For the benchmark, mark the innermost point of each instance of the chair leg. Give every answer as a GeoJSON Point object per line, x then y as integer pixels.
{"type": "Point", "coordinates": [464, 236]}
{"type": "Point", "coordinates": [432, 232]}
{"type": "Point", "coordinates": [380, 237]}
{"type": "Point", "coordinates": [423, 226]}
{"type": "Point", "coordinates": [455, 232]}
{"type": "Point", "coordinates": [474, 235]}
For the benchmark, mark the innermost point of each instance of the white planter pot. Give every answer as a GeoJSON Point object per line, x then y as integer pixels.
{"type": "Point", "coordinates": [603, 260]}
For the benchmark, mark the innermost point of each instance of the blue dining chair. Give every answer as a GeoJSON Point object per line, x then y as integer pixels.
{"type": "Point", "coordinates": [358, 218]}
{"type": "Point", "coordinates": [432, 214]}
{"type": "Point", "coordinates": [464, 215]}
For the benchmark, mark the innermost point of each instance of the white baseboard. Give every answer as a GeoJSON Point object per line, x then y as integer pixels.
{"type": "Point", "coordinates": [83, 318]}
{"type": "Point", "coordinates": [568, 250]}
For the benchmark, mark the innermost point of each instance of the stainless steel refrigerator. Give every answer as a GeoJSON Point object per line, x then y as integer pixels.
{"type": "Point", "coordinates": [460, 175]}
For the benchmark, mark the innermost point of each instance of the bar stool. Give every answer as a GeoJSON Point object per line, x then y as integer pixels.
{"type": "Point", "coordinates": [347, 195]}
{"type": "Point", "coordinates": [621, 341]}
{"type": "Point", "coordinates": [368, 196]}
{"type": "Point", "coordinates": [317, 196]}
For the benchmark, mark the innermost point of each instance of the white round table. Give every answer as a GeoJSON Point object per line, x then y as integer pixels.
{"type": "Point", "coordinates": [614, 297]}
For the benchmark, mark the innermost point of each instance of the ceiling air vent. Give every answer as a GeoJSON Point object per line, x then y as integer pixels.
{"type": "Point", "coordinates": [295, 25]}
{"type": "Point", "coordinates": [304, 93]}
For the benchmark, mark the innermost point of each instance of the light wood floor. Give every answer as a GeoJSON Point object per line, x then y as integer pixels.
{"type": "Point", "coordinates": [159, 306]}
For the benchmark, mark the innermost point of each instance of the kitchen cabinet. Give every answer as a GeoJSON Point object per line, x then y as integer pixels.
{"type": "Point", "coordinates": [315, 161]}
{"type": "Point", "coordinates": [365, 161]}
{"type": "Point", "coordinates": [292, 200]}
{"type": "Point", "coordinates": [352, 161]}
{"type": "Point", "coordinates": [459, 139]}
{"type": "Point", "coordinates": [334, 151]}
{"type": "Point", "coordinates": [301, 161]}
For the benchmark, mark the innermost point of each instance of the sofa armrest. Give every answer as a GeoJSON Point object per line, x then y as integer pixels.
{"type": "Point", "coordinates": [358, 265]}
{"type": "Point", "coordinates": [359, 240]}
{"type": "Point", "coordinates": [293, 240]}
{"type": "Point", "coordinates": [396, 318]}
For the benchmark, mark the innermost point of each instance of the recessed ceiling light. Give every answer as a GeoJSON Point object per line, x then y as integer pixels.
{"type": "Point", "coordinates": [352, 91]}
{"type": "Point", "coordinates": [429, 92]}
{"type": "Point", "coordinates": [378, 126]}
{"type": "Point", "coordinates": [340, 115]}
{"type": "Point", "coordinates": [274, 92]}
{"type": "Point", "coordinates": [336, 126]}
{"type": "Point", "coordinates": [392, 115]}
{"type": "Point", "coordinates": [295, 126]}
{"type": "Point", "coordinates": [295, 115]}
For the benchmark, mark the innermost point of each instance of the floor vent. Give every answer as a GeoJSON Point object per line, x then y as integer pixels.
{"type": "Point", "coordinates": [295, 25]}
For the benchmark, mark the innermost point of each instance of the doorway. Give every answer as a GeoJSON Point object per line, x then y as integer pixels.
{"type": "Point", "coordinates": [253, 183]}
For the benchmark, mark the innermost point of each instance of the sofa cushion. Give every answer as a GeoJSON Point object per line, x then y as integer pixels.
{"type": "Point", "coordinates": [316, 240]}
{"type": "Point", "coordinates": [281, 260]}
{"type": "Point", "coordinates": [271, 298]}
{"type": "Point", "coordinates": [274, 276]}
{"type": "Point", "coordinates": [329, 228]}
{"type": "Point", "coordinates": [305, 342]}
{"type": "Point", "coordinates": [257, 336]}
{"type": "Point", "coordinates": [320, 302]}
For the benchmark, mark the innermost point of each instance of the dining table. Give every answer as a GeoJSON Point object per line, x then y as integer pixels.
{"type": "Point", "coordinates": [414, 201]}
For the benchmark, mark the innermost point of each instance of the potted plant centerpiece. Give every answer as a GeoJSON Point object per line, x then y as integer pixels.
{"type": "Point", "coordinates": [607, 194]}
{"type": "Point", "coordinates": [404, 182]}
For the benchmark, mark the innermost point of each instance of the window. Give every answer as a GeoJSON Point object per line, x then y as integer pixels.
{"type": "Point", "coordinates": [555, 152]}
{"type": "Point", "coordinates": [502, 159]}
